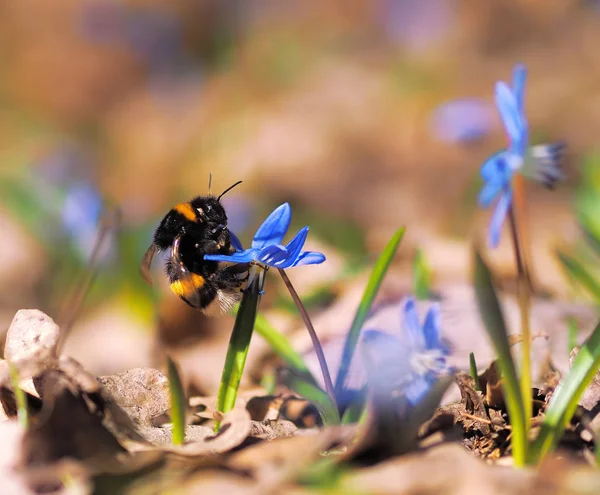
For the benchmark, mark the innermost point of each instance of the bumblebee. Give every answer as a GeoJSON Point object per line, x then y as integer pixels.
{"type": "Point", "coordinates": [190, 230]}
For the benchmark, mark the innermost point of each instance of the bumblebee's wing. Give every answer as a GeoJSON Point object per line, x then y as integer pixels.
{"type": "Point", "coordinates": [147, 262]}
{"type": "Point", "coordinates": [185, 284]}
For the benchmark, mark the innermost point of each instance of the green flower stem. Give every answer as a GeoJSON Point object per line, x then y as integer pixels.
{"type": "Point", "coordinates": [83, 285]}
{"type": "Point", "coordinates": [313, 335]}
{"type": "Point", "coordinates": [239, 342]}
{"type": "Point", "coordinates": [523, 297]}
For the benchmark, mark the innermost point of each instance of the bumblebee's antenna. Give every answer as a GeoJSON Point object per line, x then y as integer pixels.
{"type": "Point", "coordinates": [209, 182]}
{"type": "Point", "coordinates": [229, 189]}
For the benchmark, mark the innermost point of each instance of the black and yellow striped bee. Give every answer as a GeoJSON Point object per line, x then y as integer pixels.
{"type": "Point", "coordinates": [191, 230]}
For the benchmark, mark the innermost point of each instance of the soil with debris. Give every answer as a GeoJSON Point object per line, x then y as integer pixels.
{"type": "Point", "coordinates": [111, 434]}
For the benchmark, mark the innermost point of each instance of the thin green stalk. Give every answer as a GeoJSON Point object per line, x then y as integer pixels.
{"type": "Point", "coordinates": [473, 370]}
{"type": "Point", "coordinates": [239, 342]}
{"type": "Point", "coordinates": [523, 298]}
{"type": "Point", "coordinates": [20, 398]}
{"type": "Point", "coordinates": [178, 403]}
{"type": "Point", "coordinates": [313, 335]}
{"type": "Point", "coordinates": [379, 271]}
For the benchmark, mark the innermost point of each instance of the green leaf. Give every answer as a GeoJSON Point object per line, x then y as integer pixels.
{"type": "Point", "coordinates": [355, 411]}
{"type": "Point", "coordinates": [178, 403]}
{"type": "Point", "coordinates": [579, 273]}
{"type": "Point", "coordinates": [313, 393]}
{"type": "Point", "coordinates": [421, 276]}
{"type": "Point", "coordinates": [565, 399]}
{"type": "Point", "coordinates": [282, 347]}
{"type": "Point", "coordinates": [379, 271]}
{"type": "Point", "coordinates": [239, 342]}
{"type": "Point", "coordinates": [573, 334]}
{"type": "Point", "coordinates": [492, 317]}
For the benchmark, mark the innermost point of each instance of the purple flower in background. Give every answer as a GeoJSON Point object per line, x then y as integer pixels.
{"type": "Point", "coordinates": [417, 24]}
{"type": "Point", "coordinates": [80, 215]}
{"type": "Point", "coordinates": [462, 121]}
{"type": "Point", "coordinates": [411, 365]}
{"type": "Point", "coordinates": [266, 245]}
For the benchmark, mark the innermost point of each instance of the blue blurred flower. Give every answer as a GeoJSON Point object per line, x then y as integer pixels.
{"type": "Point", "coordinates": [267, 248]}
{"type": "Point", "coordinates": [541, 163]}
{"type": "Point", "coordinates": [80, 215]}
{"type": "Point", "coordinates": [498, 170]}
{"type": "Point", "coordinates": [411, 365]}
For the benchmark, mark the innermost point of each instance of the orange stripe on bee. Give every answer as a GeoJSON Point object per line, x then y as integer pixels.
{"type": "Point", "coordinates": [186, 210]}
{"type": "Point", "coordinates": [188, 285]}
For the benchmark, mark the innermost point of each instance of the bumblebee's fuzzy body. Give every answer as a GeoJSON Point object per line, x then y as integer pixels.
{"type": "Point", "coordinates": [191, 230]}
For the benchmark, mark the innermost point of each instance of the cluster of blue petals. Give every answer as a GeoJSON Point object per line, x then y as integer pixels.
{"type": "Point", "coordinates": [412, 364]}
{"type": "Point", "coordinates": [267, 247]}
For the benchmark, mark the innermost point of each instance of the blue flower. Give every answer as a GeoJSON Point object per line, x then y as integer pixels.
{"type": "Point", "coordinates": [267, 248]}
{"type": "Point", "coordinates": [542, 163]}
{"type": "Point", "coordinates": [412, 364]}
{"type": "Point", "coordinates": [498, 170]}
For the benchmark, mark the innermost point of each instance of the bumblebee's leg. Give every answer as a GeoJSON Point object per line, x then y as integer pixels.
{"type": "Point", "coordinates": [231, 277]}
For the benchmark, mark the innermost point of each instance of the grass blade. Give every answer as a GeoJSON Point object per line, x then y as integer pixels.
{"type": "Point", "coordinates": [282, 347]}
{"type": "Point", "coordinates": [21, 400]}
{"type": "Point", "coordinates": [239, 343]}
{"type": "Point", "coordinates": [421, 276]}
{"type": "Point", "coordinates": [563, 403]}
{"type": "Point", "coordinates": [178, 403]}
{"type": "Point", "coordinates": [579, 273]}
{"type": "Point", "coordinates": [473, 370]}
{"type": "Point", "coordinates": [492, 317]}
{"type": "Point", "coordinates": [311, 392]}
{"type": "Point", "coordinates": [379, 271]}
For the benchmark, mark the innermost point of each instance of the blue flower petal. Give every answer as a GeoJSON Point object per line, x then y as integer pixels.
{"type": "Point", "coordinates": [308, 258]}
{"type": "Point", "coordinates": [498, 217]}
{"type": "Point", "coordinates": [519, 77]}
{"type": "Point", "coordinates": [509, 112]}
{"type": "Point", "coordinates": [270, 254]}
{"type": "Point", "coordinates": [495, 168]}
{"type": "Point", "coordinates": [241, 257]}
{"type": "Point", "coordinates": [412, 328]}
{"type": "Point", "coordinates": [294, 247]}
{"type": "Point", "coordinates": [488, 193]}
{"type": "Point", "coordinates": [235, 242]}
{"type": "Point", "coordinates": [432, 326]}
{"type": "Point", "coordinates": [417, 389]}
{"type": "Point", "coordinates": [273, 228]}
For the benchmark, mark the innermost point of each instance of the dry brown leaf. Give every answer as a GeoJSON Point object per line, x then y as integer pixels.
{"type": "Point", "coordinates": [235, 428]}
{"type": "Point", "coordinates": [447, 469]}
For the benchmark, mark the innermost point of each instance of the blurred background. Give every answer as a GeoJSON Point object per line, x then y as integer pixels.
{"type": "Point", "coordinates": [364, 115]}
